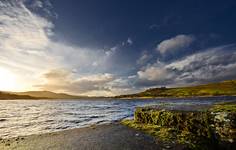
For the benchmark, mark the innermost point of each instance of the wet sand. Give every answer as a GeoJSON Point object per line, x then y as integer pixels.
{"type": "Point", "coordinates": [103, 137]}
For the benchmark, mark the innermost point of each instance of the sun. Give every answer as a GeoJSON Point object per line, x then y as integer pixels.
{"type": "Point", "coordinates": [7, 80]}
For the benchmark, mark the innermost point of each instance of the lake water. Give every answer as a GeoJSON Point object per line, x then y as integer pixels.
{"type": "Point", "coordinates": [25, 117]}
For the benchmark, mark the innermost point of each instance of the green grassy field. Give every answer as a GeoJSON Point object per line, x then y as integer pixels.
{"type": "Point", "coordinates": [212, 89]}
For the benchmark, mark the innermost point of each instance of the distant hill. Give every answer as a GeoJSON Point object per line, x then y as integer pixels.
{"type": "Point", "coordinates": [5, 96]}
{"type": "Point", "coordinates": [50, 95]}
{"type": "Point", "coordinates": [213, 89]}
{"type": "Point", "coordinates": [37, 95]}
{"type": "Point", "coordinates": [227, 88]}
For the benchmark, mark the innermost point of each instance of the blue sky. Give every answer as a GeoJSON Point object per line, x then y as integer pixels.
{"type": "Point", "coordinates": [111, 47]}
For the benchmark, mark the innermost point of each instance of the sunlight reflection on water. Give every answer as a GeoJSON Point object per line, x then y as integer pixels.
{"type": "Point", "coordinates": [25, 117]}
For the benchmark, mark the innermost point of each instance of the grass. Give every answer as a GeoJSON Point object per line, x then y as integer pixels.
{"type": "Point", "coordinates": [212, 89]}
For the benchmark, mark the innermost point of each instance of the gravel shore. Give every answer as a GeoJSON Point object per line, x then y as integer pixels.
{"type": "Point", "coordinates": [102, 137]}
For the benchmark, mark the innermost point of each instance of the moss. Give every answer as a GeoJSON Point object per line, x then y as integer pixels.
{"type": "Point", "coordinates": [228, 107]}
{"type": "Point", "coordinates": [171, 118]}
{"type": "Point", "coordinates": [225, 122]}
{"type": "Point", "coordinates": [198, 129]}
{"type": "Point", "coordinates": [148, 128]}
{"type": "Point", "coordinates": [166, 134]}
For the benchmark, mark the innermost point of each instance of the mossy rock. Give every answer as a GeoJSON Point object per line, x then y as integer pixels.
{"type": "Point", "coordinates": [206, 129]}
{"type": "Point", "coordinates": [178, 119]}
{"type": "Point", "coordinates": [225, 121]}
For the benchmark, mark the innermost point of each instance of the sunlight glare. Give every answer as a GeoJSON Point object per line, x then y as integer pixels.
{"type": "Point", "coordinates": [7, 80]}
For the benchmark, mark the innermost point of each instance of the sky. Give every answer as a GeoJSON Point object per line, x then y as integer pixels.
{"type": "Point", "coordinates": [113, 47]}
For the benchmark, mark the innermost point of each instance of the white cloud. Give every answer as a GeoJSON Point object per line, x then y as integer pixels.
{"type": "Point", "coordinates": [212, 64]}
{"type": "Point", "coordinates": [175, 43]}
{"type": "Point", "coordinates": [105, 84]}
{"type": "Point", "coordinates": [27, 49]}
{"type": "Point", "coordinates": [153, 74]}
{"type": "Point", "coordinates": [22, 29]}
{"type": "Point", "coordinates": [24, 36]}
{"type": "Point", "coordinates": [65, 81]}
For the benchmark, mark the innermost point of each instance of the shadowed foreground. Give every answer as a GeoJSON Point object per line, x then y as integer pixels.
{"type": "Point", "coordinates": [102, 137]}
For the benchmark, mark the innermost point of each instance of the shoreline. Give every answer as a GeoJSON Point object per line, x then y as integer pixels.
{"type": "Point", "coordinates": [172, 97]}
{"type": "Point", "coordinates": [97, 137]}
{"type": "Point", "coordinates": [116, 98]}
{"type": "Point", "coordinates": [143, 133]}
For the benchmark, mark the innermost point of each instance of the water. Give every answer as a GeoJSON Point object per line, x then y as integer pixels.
{"type": "Point", "coordinates": [25, 117]}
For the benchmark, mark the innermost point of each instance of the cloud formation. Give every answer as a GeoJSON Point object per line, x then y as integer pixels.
{"type": "Point", "coordinates": [65, 81]}
{"type": "Point", "coordinates": [27, 48]}
{"type": "Point", "coordinates": [104, 84]}
{"type": "Point", "coordinates": [24, 39]}
{"type": "Point", "coordinates": [29, 52]}
{"type": "Point", "coordinates": [175, 43]}
{"type": "Point", "coordinates": [214, 64]}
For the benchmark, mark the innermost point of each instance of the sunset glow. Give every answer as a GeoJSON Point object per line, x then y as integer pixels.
{"type": "Point", "coordinates": [102, 49]}
{"type": "Point", "coordinates": [7, 80]}
{"type": "Point", "coordinates": [129, 74]}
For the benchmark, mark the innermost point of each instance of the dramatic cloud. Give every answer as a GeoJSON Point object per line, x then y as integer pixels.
{"type": "Point", "coordinates": [24, 39]}
{"type": "Point", "coordinates": [22, 31]}
{"type": "Point", "coordinates": [27, 49]}
{"type": "Point", "coordinates": [31, 49]}
{"type": "Point", "coordinates": [213, 64]}
{"type": "Point", "coordinates": [155, 72]}
{"type": "Point", "coordinates": [175, 43]}
{"type": "Point", "coordinates": [62, 80]}
{"type": "Point", "coordinates": [65, 81]}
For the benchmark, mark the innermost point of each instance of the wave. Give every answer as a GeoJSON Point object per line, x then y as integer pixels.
{"type": "Point", "coordinates": [35, 117]}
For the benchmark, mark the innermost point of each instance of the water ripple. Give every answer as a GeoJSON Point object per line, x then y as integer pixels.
{"type": "Point", "coordinates": [19, 117]}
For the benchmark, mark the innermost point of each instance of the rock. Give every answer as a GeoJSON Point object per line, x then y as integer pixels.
{"type": "Point", "coordinates": [206, 127]}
